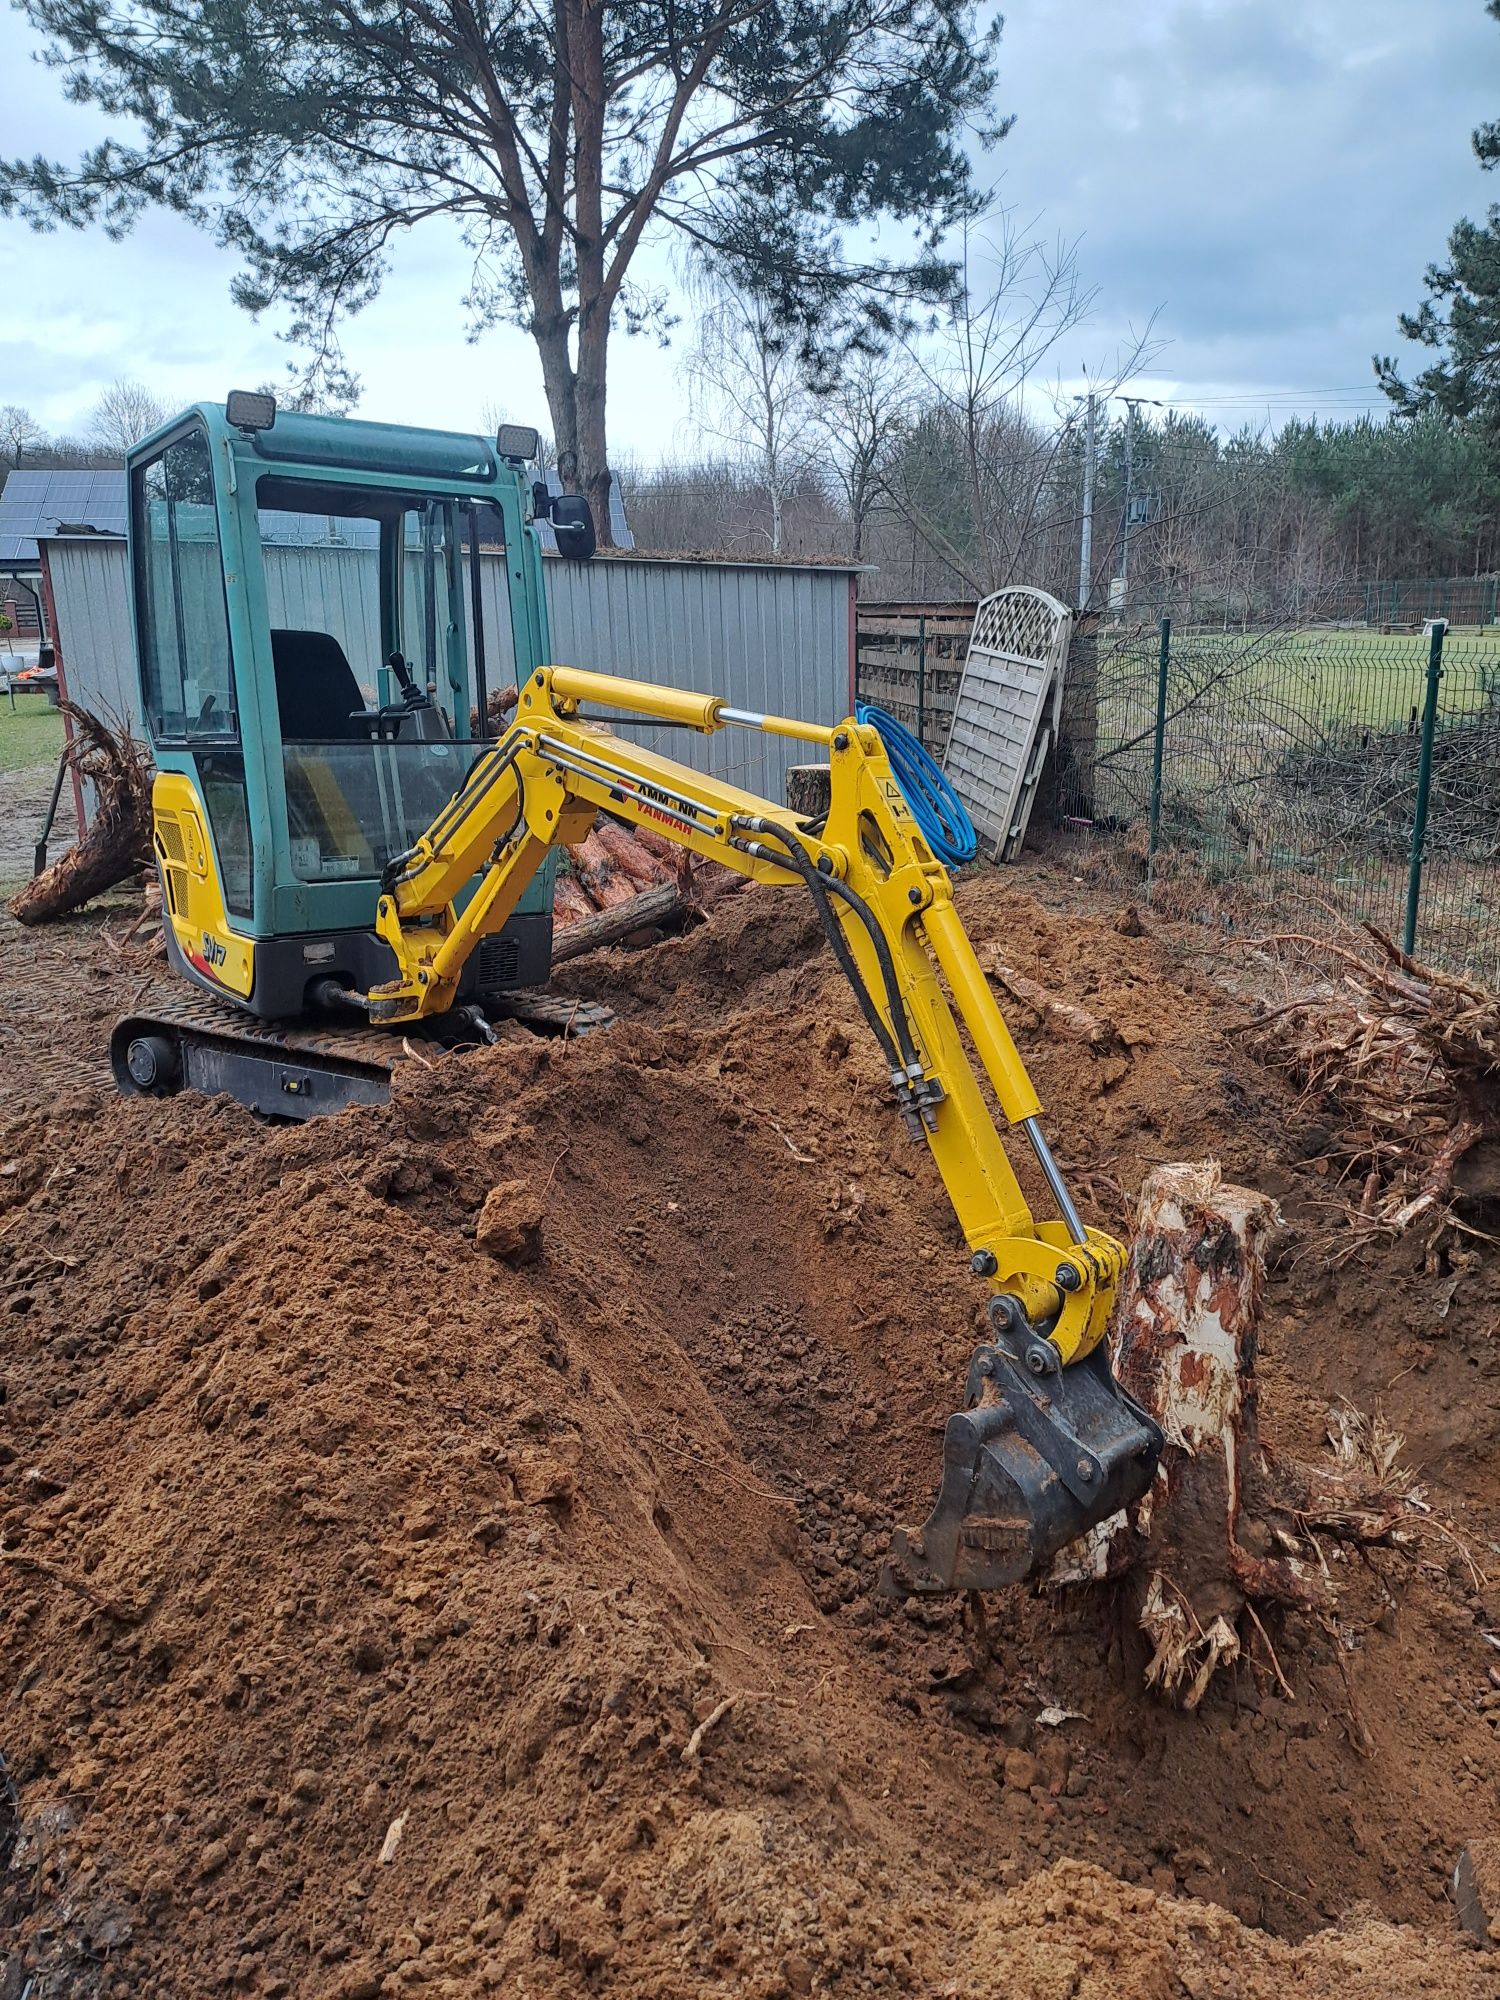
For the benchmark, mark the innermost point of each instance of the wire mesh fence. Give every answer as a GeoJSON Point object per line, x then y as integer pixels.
{"type": "Point", "coordinates": [1297, 779]}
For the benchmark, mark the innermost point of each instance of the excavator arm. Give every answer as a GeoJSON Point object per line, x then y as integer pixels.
{"type": "Point", "coordinates": [1048, 1445]}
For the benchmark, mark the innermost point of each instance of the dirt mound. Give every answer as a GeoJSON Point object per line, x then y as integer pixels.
{"type": "Point", "coordinates": [385, 1614]}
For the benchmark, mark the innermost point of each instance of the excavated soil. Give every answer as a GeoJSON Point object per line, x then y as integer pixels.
{"type": "Point", "coordinates": [378, 1616]}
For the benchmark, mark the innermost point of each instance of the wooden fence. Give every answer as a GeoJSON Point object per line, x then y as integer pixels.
{"type": "Point", "coordinates": [909, 660]}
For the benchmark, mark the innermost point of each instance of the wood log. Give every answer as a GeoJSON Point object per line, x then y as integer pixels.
{"type": "Point", "coordinates": [631, 855]}
{"type": "Point", "coordinates": [704, 884]}
{"type": "Point", "coordinates": [809, 789]}
{"type": "Point", "coordinates": [569, 904]}
{"type": "Point", "coordinates": [603, 881]}
{"type": "Point", "coordinates": [117, 842]}
{"type": "Point", "coordinates": [653, 909]}
{"type": "Point", "coordinates": [1221, 1530]}
{"type": "Point", "coordinates": [675, 858]}
{"type": "Point", "coordinates": [1065, 1018]}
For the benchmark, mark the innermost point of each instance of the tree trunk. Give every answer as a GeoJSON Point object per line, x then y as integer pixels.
{"type": "Point", "coordinates": [1220, 1531]}
{"type": "Point", "coordinates": [551, 337]}
{"type": "Point", "coordinates": [593, 479]}
{"type": "Point", "coordinates": [596, 295]}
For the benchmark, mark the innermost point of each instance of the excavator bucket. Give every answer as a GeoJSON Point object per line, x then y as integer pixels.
{"type": "Point", "coordinates": [1042, 1454]}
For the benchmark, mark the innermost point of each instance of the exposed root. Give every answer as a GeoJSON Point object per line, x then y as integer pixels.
{"type": "Point", "coordinates": [1185, 1656]}
{"type": "Point", "coordinates": [1410, 1058]}
{"type": "Point", "coordinates": [118, 840]}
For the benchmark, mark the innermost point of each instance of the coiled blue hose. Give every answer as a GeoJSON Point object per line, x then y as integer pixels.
{"type": "Point", "coordinates": [935, 806]}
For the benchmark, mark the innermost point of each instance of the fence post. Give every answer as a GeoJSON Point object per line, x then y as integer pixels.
{"type": "Point", "coordinates": [922, 678]}
{"type": "Point", "coordinates": [1424, 783]}
{"type": "Point", "coordinates": [1164, 654]}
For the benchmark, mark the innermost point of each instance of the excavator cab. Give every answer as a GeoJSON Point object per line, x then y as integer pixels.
{"type": "Point", "coordinates": [316, 637]}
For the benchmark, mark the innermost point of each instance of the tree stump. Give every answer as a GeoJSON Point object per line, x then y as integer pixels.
{"type": "Point", "coordinates": [808, 789]}
{"type": "Point", "coordinates": [1223, 1528]}
{"type": "Point", "coordinates": [117, 842]}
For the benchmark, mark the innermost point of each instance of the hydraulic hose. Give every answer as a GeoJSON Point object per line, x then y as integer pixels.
{"type": "Point", "coordinates": [801, 862]}
{"type": "Point", "coordinates": [935, 806]}
{"type": "Point", "coordinates": [907, 1063]}
{"type": "Point", "coordinates": [822, 884]}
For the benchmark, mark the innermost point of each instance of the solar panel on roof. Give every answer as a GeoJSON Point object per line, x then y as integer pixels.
{"type": "Point", "coordinates": [38, 503]}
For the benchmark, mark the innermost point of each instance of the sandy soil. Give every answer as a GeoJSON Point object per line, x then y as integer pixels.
{"type": "Point", "coordinates": [364, 1595]}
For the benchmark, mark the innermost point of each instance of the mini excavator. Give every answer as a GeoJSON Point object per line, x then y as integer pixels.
{"type": "Point", "coordinates": [344, 857]}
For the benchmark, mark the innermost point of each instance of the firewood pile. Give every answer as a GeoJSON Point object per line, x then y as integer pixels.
{"type": "Point", "coordinates": [629, 884]}
{"type": "Point", "coordinates": [1408, 1061]}
{"type": "Point", "coordinates": [617, 863]}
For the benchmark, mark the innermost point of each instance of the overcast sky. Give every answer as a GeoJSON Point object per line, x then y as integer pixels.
{"type": "Point", "coordinates": [1269, 176]}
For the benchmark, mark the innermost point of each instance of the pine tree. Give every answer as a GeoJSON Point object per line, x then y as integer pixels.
{"type": "Point", "coordinates": [764, 135]}
{"type": "Point", "coordinates": [1459, 320]}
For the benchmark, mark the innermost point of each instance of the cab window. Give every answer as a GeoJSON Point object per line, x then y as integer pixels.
{"type": "Point", "coordinates": [187, 685]}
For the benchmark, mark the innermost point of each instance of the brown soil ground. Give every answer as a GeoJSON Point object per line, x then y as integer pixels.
{"type": "Point", "coordinates": [361, 1594]}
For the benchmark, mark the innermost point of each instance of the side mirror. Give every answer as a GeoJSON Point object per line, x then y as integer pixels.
{"type": "Point", "coordinates": [573, 524]}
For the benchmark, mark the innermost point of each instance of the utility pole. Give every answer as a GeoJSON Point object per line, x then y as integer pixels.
{"type": "Point", "coordinates": [1130, 403]}
{"type": "Point", "coordinates": [1086, 536]}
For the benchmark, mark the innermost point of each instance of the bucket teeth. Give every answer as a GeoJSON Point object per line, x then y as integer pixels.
{"type": "Point", "coordinates": [1025, 1473]}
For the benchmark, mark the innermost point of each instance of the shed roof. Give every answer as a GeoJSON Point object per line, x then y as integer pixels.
{"type": "Point", "coordinates": [42, 503]}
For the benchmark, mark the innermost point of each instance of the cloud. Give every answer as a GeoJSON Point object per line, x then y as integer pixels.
{"type": "Point", "coordinates": [1273, 175]}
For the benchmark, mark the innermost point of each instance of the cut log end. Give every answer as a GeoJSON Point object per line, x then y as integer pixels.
{"type": "Point", "coordinates": [808, 789]}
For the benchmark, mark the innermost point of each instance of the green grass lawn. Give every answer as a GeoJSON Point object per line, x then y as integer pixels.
{"type": "Point", "coordinates": [1297, 685]}
{"type": "Point", "coordinates": [31, 738]}
{"type": "Point", "coordinates": [1378, 678]}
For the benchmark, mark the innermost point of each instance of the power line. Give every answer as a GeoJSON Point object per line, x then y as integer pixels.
{"type": "Point", "coordinates": [1278, 399]}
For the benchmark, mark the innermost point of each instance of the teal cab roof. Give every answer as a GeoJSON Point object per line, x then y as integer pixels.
{"type": "Point", "coordinates": [349, 444]}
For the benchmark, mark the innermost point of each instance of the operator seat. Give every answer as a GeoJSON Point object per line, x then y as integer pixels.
{"type": "Point", "coordinates": [316, 693]}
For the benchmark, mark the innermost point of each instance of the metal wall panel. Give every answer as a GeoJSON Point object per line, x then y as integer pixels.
{"type": "Point", "coordinates": [773, 640]}
{"type": "Point", "coordinates": [92, 602]}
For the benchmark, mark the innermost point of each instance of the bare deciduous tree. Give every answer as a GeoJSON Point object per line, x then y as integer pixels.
{"type": "Point", "coordinates": [20, 433]}
{"type": "Point", "coordinates": [124, 414]}
{"type": "Point", "coordinates": [977, 482]}
{"type": "Point", "coordinates": [748, 389]}
{"type": "Point", "coordinates": [861, 420]}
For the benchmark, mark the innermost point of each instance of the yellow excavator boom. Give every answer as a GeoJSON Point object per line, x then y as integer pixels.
{"type": "Point", "coordinates": [1048, 1444]}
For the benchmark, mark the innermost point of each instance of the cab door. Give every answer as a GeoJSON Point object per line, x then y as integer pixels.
{"type": "Point", "coordinates": [201, 821]}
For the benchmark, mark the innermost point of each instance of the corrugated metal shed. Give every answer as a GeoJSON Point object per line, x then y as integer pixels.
{"type": "Point", "coordinates": [774, 638]}
{"type": "Point", "coordinates": [778, 638]}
